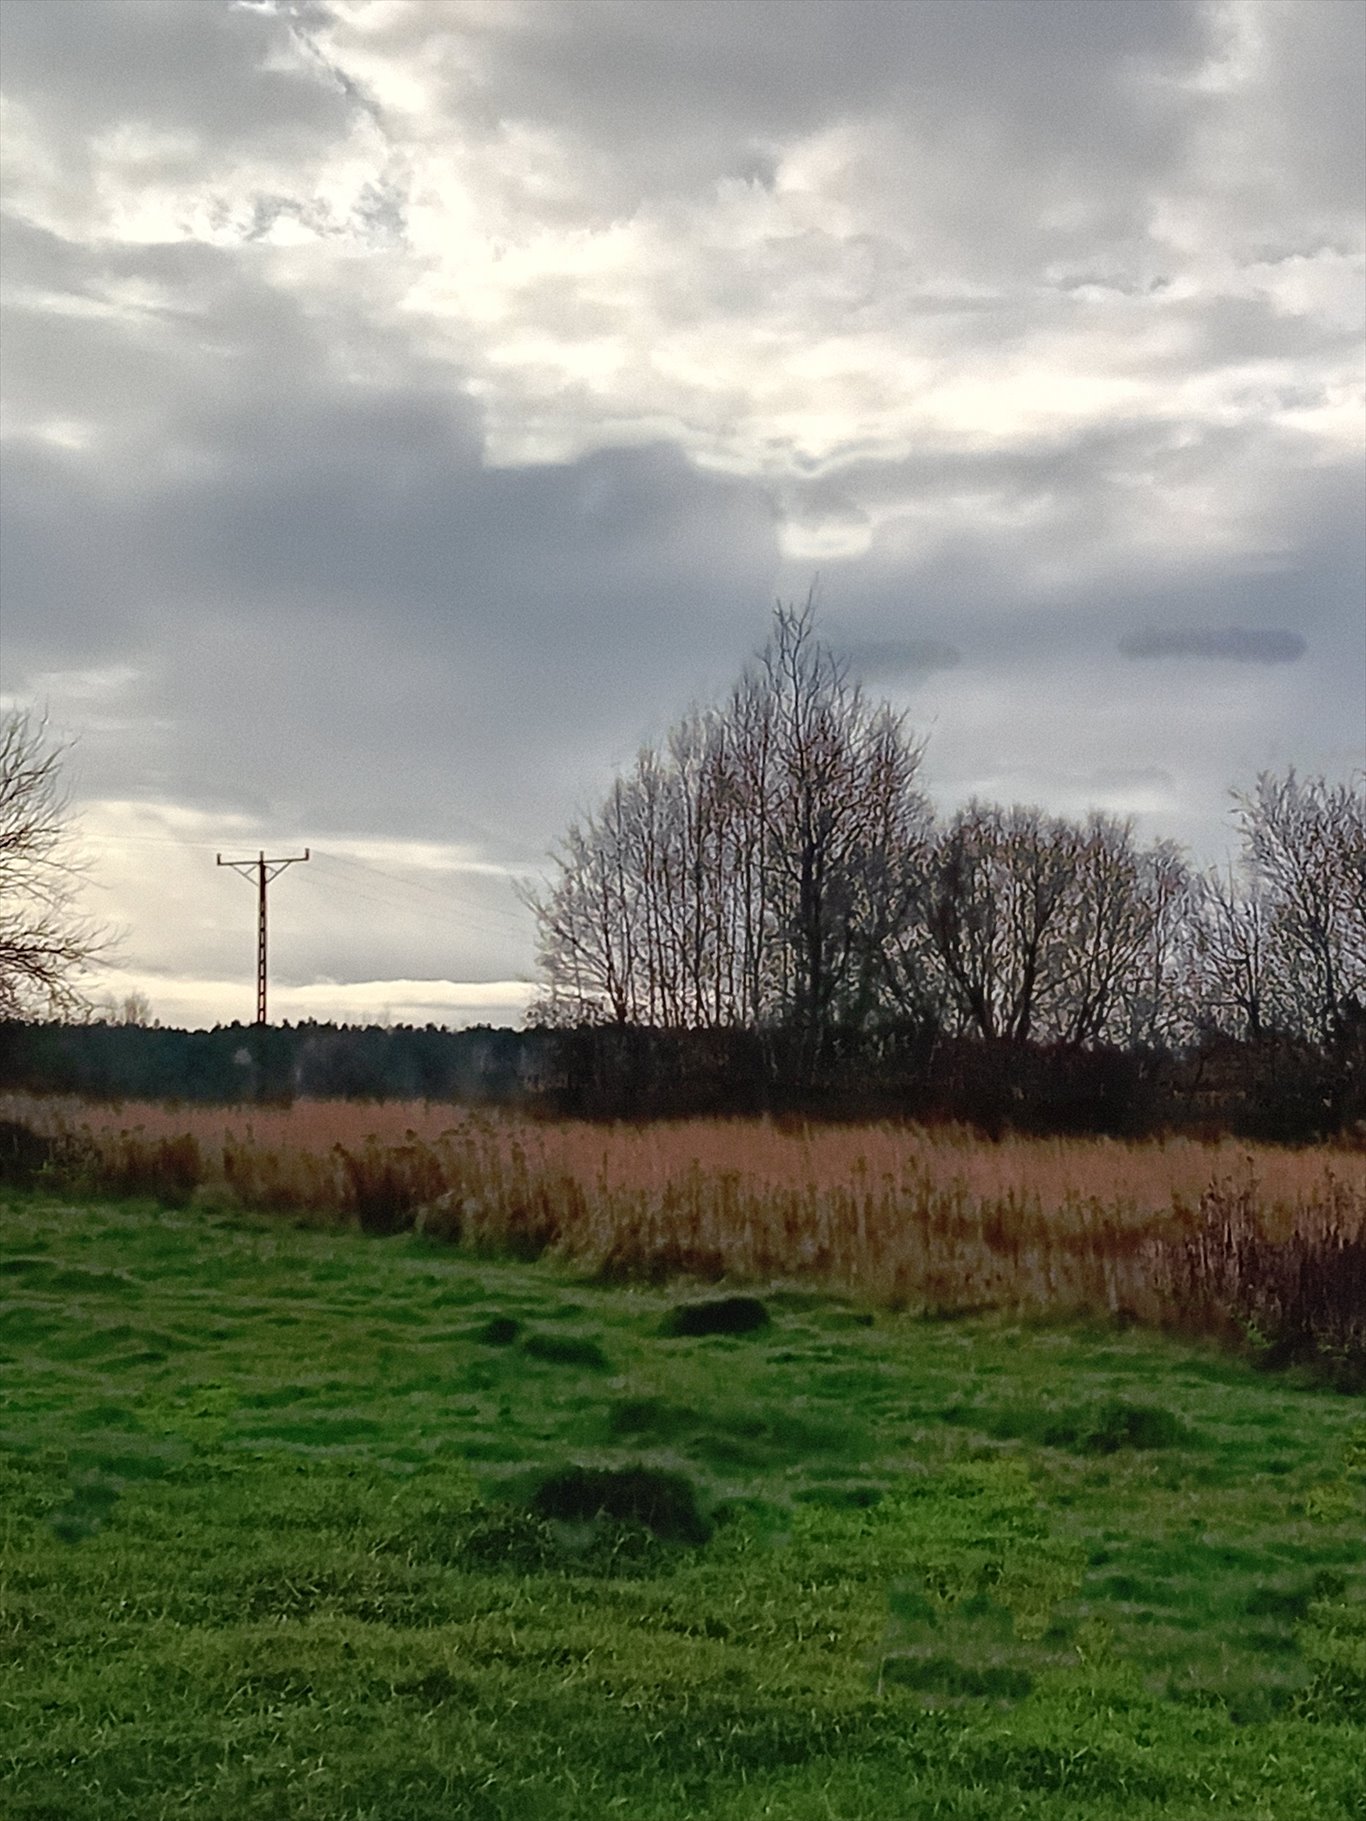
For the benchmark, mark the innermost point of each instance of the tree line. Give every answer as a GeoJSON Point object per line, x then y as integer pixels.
{"type": "Point", "coordinates": [775, 865]}
{"type": "Point", "coordinates": [766, 913]}
{"type": "Point", "coordinates": [119, 1059]}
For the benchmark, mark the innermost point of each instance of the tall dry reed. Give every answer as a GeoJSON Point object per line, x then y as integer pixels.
{"type": "Point", "coordinates": [1209, 1236]}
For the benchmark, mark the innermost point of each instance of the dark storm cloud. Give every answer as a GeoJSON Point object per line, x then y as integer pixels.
{"type": "Point", "coordinates": [1240, 644]}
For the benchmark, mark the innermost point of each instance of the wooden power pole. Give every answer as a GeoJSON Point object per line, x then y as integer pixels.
{"type": "Point", "coordinates": [264, 871]}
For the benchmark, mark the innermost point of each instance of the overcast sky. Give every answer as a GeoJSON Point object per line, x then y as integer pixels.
{"type": "Point", "coordinates": [410, 406]}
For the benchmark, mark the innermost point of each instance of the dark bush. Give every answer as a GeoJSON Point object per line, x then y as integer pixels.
{"type": "Point", "coordinates": [1299, 1301]}
{"type": "Point", "coordinates": [24, 1153]}
{"type": "Point", "coordinates": [388, 1184]}
{"type": "Point", "coordinates": [1276, 1088]}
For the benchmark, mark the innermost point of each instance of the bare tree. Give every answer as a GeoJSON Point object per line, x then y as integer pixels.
{"type": "Point", "coordinates": [755, 870]}
{"type": "Point", "coordinates": [994, 909]}
{"type": "Point", "coordinates": [774, 865]}
{"type": "Point", "coordinates": [1305, 847]}
{"type": "Point", "coordinates": [845, 820]}
{"type": "Point", "coordinates": [46, 943]}
{"type": "Point", "coordinates": [1053, 930]}
{"type": "Point", "coordinates": [1115, 962]}
{"type": "Point", "coordinates": [587, 921]}
{"type": "Point", "coordinates": [885, 964]}
{"type": "Point", "coordinates": [1157, 1006]}
{"type": "Point", "coordinates": [1232, 954]}
{"type": "Point", "coordinates": [135, 1010]}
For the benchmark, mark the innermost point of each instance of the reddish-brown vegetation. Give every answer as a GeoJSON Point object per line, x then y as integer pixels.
{"type": "Point", "coordinates": [1212, 1237]}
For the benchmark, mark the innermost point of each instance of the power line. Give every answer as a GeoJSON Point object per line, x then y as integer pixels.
{"type": "Point", "coordinates": [330, 859]}
{"type": "Point", "coordinates": [414, 885]}
{"type": "Point", "coordinates": [375, 876]}
{"type": "Point", "coordinates": [495, 924]}
{"type": "Point", "coordinates": [352, 890]}
{"type": "Point", "coordinates": [417, 885]}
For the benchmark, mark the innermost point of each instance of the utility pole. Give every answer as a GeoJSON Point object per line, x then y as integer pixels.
{"type": "Point", "coordinates": [264, 870]}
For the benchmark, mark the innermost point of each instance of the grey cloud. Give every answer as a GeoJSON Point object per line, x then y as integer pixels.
{"type": "Point", "coordinates": [1051, 464]}
{"type": "Point", "coordinates": [989, 135]}
{"type": "Point", "coordinates": [1140, 777]}
{"type": "Point", "coordinates": [664, 101]}
{"type": "Point", "coordinates": [1310, 126]}
{"type": "Point", "coordinates": [1225, 331]}
{"type": "Point", "coordinates": [1035, 595]}
{"type": "Point", "coordinates": [205, 113]}
{"type": "Point", "coordinates": [1069, 523]}
{"type": "Point", "coordinates": [341, 614]}
{"type": "Point", "coordinates": [1240, 644]}
{"type": "Point", "coordinates": [205, 70]}
{"type": "Point", "coordinates": [986, 138]}
{"type": "Point", "coordinates": [886, 658]}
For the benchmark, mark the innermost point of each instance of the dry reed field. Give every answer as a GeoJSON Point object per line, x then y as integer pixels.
{"type": "Point", "coordinates": [1245, 1241]}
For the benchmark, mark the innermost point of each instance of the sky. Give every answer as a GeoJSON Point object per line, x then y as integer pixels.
{"type": "Point", "coordinates": [411, 406]}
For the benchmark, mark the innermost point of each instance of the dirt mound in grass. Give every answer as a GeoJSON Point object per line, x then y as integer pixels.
{"type": "Point", "coordinates": [498, 1331]}
{"type": "Point", "coordinates": [719, 1315]}
{"type": "Point", "coordinates": [567, 1350]}
{"type": "Point", "coordinates": [649, 1498]}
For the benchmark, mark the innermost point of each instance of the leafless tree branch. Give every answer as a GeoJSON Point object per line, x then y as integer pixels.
{"type": "Point", "coordinates": [46, 942]}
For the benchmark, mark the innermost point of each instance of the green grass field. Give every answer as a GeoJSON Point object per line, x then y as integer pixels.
{"type": "Point", "coordinates": [289, 1533]}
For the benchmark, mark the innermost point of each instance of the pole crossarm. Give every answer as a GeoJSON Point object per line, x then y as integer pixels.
{"type": "Point", "coordinates": [250, 868]}
{"type": "Point", "coordinates": [263, 871]}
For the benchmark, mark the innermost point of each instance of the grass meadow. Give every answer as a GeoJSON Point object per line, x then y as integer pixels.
{"type": "Point", "coordinates": [507, 1509]}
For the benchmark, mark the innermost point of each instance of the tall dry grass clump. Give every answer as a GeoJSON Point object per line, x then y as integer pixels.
{"type": "Point", "coordinates": [1221, 1237]}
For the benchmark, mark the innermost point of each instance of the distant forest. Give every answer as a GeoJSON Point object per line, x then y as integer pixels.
{"type": "Point", "coordinates": [1276, 1088]}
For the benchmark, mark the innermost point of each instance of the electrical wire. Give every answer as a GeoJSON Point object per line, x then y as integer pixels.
{"type": "Point", "coordinates": [506, 922]}
{"type": "Point", "coordinates": [377, 887]}
{"type": "Point", "coordinates": [402, 883]}
{"type": "Point", "coordinates": [389, 900]}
